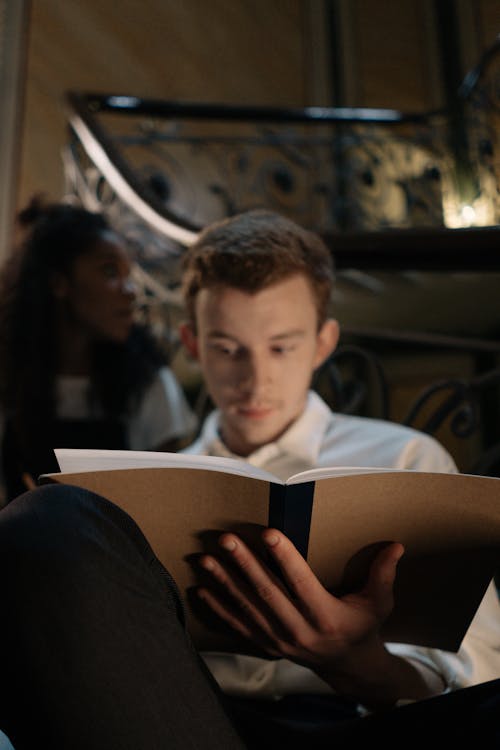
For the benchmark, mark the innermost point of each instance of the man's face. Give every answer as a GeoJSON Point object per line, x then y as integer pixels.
{"type": "Point", "coordinates": [257, 354]}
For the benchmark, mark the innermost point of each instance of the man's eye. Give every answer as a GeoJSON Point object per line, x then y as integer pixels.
{"type": "Point", "coordinates": [282, 349]}
{"type": "Point", "coordinates": [228, 351]}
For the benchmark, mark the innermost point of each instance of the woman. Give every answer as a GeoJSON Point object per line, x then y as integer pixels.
{"type": "Point", "coordinates": [76, 369]}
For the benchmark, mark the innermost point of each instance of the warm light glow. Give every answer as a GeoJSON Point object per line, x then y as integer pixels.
{"type": "Point", "coordinates": [468, 215]}
{"type": "Point", "coordinates": [480, 213]}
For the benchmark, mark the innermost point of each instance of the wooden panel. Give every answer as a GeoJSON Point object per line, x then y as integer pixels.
{"type": "Point", "coordinates": [247, 52]}
{"type": "Point", "coordinates": [392, 45]}
{"type": "Point", "coordinates": [489, 21]}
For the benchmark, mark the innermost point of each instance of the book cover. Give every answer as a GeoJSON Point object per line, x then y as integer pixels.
{"type": "Point", "coordinates": [338, 518]}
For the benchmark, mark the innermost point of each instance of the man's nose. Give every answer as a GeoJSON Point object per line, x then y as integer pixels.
{"type": "Point", "coordinates": [257, 374]}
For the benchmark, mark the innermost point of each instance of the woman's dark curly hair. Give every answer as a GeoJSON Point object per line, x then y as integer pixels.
{"type": "Point", "coordinates": [57, 234]}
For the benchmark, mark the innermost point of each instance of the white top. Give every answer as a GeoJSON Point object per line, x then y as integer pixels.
{"type": "Point", "coordinates": [162, 414]}
{"type": "Point", "coordinates": [321, 438]}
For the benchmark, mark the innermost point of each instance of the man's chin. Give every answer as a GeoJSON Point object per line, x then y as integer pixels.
{"type": "Point", "coordinates": [257, 435]}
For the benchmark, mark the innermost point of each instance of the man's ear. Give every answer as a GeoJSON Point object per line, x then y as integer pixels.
{"type": "Point", "coordinates": [189, 339]}
{"type": "Point", "coordinates": [328, 337]}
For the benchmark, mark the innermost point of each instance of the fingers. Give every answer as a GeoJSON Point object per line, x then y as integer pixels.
{"type": "Point", "coordinates": [238, 592]}
{"type": "Point", "coordinates": [265, 585]}
{"type": "Point", "coordinates": [317, 604]}
{"type": "Point", "coordinates": [380, 584]}
{"type": "Point", "coordinates": [263, 604]}
{"type": "Point", "coordinates": [306, 588]}
{"type": "Point", "coordinates": [239, 615]}
{"type": "Point", "coordinates": [306, 616]}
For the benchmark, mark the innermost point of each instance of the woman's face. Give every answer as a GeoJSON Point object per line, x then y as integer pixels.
{"type": "Point", "coordinates": [98, 291]}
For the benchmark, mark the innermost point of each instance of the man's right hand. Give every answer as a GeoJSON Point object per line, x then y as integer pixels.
{"type": "Point", "coordinates": [338, 638]}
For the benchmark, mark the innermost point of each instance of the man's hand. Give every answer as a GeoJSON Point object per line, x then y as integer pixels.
{"type": "Point", "coordinates": [338, 638]}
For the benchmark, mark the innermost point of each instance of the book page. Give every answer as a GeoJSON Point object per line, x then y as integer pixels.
{"type": "Point", "coordinates": [449, 525]}
{"type": "Point", "coordinates": [325, 472]}
{"type": "Point", "coordinates": [73, 460]}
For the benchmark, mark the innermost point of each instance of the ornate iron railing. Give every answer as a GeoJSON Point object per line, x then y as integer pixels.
{"type": "Point", "coordinates": [179, 165]}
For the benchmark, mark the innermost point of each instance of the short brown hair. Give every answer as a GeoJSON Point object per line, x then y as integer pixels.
{"type": "Point", "coordinates": [253, 250]}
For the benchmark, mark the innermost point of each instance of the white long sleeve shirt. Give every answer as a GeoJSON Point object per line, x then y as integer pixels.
{"type": "Point", "coordinates": [322, 438]}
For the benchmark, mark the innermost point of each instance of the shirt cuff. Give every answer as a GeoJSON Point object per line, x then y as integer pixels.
{"type": "Point", "coordinates": [434, 681]}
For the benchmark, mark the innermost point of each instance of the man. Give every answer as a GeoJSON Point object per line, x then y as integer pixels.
{"type": "Point", "coordinates": [93, 646]}
{"type": "Point", "coordinates": [257, 291]}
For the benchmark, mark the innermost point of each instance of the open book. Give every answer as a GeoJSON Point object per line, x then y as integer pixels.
{"type": "Point", "coordinates": [338, 518]}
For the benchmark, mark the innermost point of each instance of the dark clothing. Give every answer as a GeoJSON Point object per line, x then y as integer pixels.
{"type": "Point", "coordinates": [95, 656]}
{"type": "Point", "coordinates": [94, 652]}
{"type": "Point", "coordinates": [62, 433]}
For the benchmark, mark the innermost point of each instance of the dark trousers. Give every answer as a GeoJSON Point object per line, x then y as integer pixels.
{"type": "Point", "coordinates": [94, 653]}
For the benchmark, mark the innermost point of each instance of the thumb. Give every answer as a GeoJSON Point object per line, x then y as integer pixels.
{"type": "Point", "coordinates": [380, 584]}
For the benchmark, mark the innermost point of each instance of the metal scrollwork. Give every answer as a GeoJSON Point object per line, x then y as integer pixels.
{"type": "Point", "coordinates": [331, 169]}
{"type": "Point", "coordinates": [353, 381]}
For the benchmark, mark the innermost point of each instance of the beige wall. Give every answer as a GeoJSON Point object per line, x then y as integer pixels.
{"type": "Point", "coordinates": [250, 51]}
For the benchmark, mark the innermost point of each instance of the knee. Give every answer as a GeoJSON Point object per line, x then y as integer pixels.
{"type": "Point", "coordinates": [49, 515]}
{"type": "Point", "coordinates": [49, 503]}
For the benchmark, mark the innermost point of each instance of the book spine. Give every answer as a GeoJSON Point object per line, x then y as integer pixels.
{"type": "Point", "coordinates": [290, 509]}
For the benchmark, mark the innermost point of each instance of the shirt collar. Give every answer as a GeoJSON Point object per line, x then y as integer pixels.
{"type": "Point", "coordinates": [303, 438]}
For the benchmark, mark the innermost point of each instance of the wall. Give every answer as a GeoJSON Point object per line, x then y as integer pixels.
{"type": "Point", "coordinates": [396, 49]}
{"type": "Point", "coordinates": [244, 52]}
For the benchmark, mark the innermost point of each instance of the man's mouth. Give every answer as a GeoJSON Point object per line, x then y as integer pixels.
{"type": "Point", "coordinates": [254, 412]}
